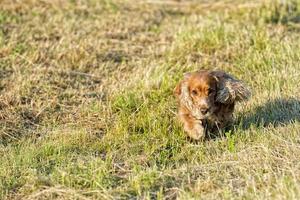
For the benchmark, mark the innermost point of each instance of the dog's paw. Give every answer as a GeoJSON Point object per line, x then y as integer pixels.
{"type": "Point", "coordinates": [197, 132]}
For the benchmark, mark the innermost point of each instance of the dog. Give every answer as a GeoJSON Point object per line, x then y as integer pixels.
{"type": "Point", "coordinates": [206, 100]}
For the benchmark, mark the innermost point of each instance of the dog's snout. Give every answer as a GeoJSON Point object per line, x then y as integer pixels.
{"type": "Point", "coordinates": [203, 106]}
{"type": "Point", "coordinates": [204, 110]}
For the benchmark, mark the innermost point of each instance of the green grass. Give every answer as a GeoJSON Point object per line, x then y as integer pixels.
{"type": "Point", "coordinates": [86, 105]}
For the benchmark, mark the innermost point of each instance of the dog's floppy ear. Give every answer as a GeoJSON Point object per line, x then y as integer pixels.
{"type": "Point", "coordinates": [230, 89]}
{"type": "Point", "coordinates": [178, 89]}
{"type": "Point", "coordinates": [185, 98]}
{"type": "Point", "coordinates": [181, 91]}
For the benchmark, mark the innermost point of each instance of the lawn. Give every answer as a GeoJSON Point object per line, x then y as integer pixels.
{"type": "Point", "coordinates": [87, 110]}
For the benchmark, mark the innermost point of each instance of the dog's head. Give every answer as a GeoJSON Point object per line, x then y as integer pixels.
{"type": "Point", "coordinates": [198, 93]}
{"type": "Point", "coordinates": [201, 91]}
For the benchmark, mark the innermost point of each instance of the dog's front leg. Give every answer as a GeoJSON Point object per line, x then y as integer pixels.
{"type": "Point", "coordinates": [194, 128]}
{"type": "Point", "coordinates": [198, 131]}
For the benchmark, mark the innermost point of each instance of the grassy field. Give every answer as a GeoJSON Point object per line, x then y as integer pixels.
{"type": "Point", "coordinates": [86, 105]}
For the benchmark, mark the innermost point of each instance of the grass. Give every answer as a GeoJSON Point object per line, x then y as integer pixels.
{"type": "Point", "coordinates": [86, 103]}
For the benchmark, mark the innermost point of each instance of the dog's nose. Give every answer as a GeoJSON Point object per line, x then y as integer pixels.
{"type": "Point", "coordinates": [204, 110]}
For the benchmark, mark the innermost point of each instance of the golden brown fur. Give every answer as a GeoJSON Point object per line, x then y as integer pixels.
{"type": "Point", "coordinates": [206, 101]}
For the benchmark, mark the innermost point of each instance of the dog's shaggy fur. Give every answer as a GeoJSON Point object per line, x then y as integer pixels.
{"type": "Point", "coordinates": [206, 101]}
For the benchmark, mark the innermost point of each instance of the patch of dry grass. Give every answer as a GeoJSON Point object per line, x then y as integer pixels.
{"type": "Point", "coordinates": [86, 102]}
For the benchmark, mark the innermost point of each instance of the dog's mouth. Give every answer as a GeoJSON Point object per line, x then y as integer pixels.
{"type": "Point", "coordinates": [199, 115]}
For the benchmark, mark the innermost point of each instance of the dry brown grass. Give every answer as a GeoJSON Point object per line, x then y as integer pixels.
{"type": "Point", "coordinates": [86, 106]}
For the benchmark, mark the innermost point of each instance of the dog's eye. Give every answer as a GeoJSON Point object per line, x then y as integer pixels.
{"type": "Point", "coordinates": [194, 92]}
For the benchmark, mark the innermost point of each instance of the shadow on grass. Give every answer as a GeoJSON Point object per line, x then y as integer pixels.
{"type": "Point", "coordinates": [277, 112]}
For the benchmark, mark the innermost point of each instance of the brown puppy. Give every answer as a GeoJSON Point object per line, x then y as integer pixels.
{"type": "Point", "coordinates": [206, 101]}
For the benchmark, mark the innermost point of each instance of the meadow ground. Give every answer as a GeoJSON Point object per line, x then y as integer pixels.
{"type": "Point", "coordinates": [86, 105]}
